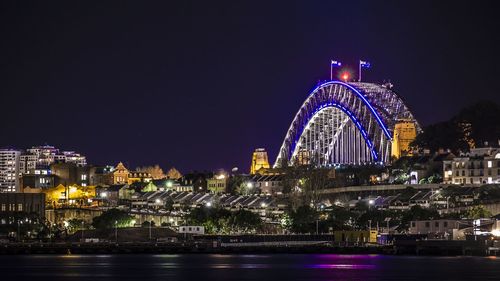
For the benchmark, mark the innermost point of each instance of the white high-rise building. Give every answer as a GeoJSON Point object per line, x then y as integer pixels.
{"type": "Point", "coordinates": [9, 170]}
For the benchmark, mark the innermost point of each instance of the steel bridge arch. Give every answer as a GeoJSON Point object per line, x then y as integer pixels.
{"type": "Point", "coordinates": [344, 123]}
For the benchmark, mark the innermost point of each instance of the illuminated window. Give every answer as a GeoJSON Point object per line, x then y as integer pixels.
{"type": "Point", "coordinates": [19, 207]}
{"type": "Point", "coordinates": [490, 164]}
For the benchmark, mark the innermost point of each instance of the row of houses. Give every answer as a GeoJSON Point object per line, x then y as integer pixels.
{"type": "Point", "coordinates": [445, 198]}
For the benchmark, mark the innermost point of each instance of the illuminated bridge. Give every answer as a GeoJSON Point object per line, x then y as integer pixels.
{"type": "Point", "coordinates": [345, 123]}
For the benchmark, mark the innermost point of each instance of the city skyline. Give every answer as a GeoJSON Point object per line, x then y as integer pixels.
{"type": "Point", "coordinates": [202, 87]}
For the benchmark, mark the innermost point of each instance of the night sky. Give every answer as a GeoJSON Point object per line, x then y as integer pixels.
{"type": "Point", "coordinates": [200, 85]}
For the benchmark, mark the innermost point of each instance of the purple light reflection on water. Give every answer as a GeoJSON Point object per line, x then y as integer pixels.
{"type": "Point", "coordinates": [342, 266]}
{"type": "Point", "coordinates": [342, 256]}
{"type": "Point", "coordinates": [335, 261]}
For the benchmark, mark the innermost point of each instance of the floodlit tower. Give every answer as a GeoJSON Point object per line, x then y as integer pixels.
{"type": "Point", "coordinates": [259, 160]}
{"type": "Point", "coordinates": [405, 131]}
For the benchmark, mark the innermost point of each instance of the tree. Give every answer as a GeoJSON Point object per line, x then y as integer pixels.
{"type": "Point", "coordinates": [472, 126]}
{"type": "Point", "coordinates": [112, 218]}
{"type": "Point", "coordinates": [174, 174]}
{"type": "Point", "coordinates": [155, 171]}
{"type": "Point", "coordinates": [477, 212]}
{"type": "Point", "coordinates": [286, 222]}
{"type": "Point", "coordinates": [303, 220]}
{"type": "Point", "coordinates": [75, 224]}
{"type": "Point", "coordinates": [417, 213]}
{"type": "Point", "coordinates": [235, 183]}
{"type": "Point", "coordinates": [221, 221]}
{"type": "Point", "coordinates": [244, 221]}
{"type": "Point", "coordinates": [147, 224]}
{"type": "Point", "coordinates": [341, 219]}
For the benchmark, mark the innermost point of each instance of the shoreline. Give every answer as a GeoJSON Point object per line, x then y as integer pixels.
{"type": "Point", "coordinates": [173, 248]}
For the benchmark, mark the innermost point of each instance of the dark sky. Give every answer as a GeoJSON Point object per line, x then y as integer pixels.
{"type": "Point", "coordinates": [200, 85]}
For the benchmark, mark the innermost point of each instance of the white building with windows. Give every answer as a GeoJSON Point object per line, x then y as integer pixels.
{"type": "Point", "coordinates": [480, 166]}
{"type": "Point", "coordinates": [9, 170]}
{"type": "Point", "coordinates": [44, 156]}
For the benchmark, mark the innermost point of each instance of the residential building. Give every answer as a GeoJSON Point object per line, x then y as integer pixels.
{"type": "Point", "coordinates": [46, 155]}
{"type": "Point", "coordinates": [41, 178]}
{"type": "Point", "coordinates": [9, 170]}
{"type": "Point", "coordinates": [218, 183]}
{"type": "Point", "coordinates": [479, 166]}
{"type": "Point", "coordinates": [119, 175]}
{"type": "Point", "coordinates": [135, 176]}
{"type": "Point", "coordinates": [72, 174]}
{"type": "Point", "coordinates": [268, 184]}
{"type": "Point", "coordinates": [111, 195]}
{"type": "Point", "coordinates": [197, 180]}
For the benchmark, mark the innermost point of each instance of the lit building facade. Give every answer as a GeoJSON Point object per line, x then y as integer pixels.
{"type": "Point", "coordinates": [259, 160]}
{"type": "Point", "coordinates": [119, 175]}
{"type": "Point", "coordinates": [480, 166]}
{"type": "Point", "coordinates": [217, 184]}
{"type": "Point", "coordinates": [404, 133]}
{"type": "Point", "coordinates": [9, 170]}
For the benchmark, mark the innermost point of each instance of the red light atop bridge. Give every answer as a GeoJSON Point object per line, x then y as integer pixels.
{"type": "Point", "coordinates": [345, 76]}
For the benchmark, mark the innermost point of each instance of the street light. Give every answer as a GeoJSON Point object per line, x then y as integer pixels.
{"type": "Point", "coordinates": [208, 204]}
{"type": "Point", "coordinates": [19, 230]}
{"type": "Point", "coordinates": [370, 203]}
{"type": "Point", "coordinates": [116, 231]}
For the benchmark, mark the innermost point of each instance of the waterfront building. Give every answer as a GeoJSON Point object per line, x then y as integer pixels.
{"type": "Point", "coordinates": [259, 160]}
{"type": "Point", "coordinates": [444, 229]}
{"type": "Point", "coordinates": [479, 166]}
{"type": "Point", "coordinates": [191, 229]}
{"type": "Point", "coordinates": [22, 202]}
{"type": "Point", "coordinates": [9, 170]}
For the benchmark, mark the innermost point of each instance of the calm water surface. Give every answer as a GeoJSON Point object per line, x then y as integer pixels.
{"type": "Point", "coordinates": [247, 267]}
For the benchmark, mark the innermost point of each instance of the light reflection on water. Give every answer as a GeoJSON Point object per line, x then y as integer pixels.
{"type": "Point", "coordinates": [287, 267]}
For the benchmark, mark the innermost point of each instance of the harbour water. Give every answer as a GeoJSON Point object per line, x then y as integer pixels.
{"type": "Point", "coordinates": [247, 267]}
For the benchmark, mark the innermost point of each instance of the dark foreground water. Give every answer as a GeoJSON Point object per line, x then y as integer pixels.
{"type": "Point", "coordinates": [247, 267]}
